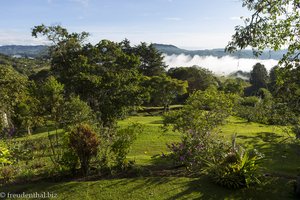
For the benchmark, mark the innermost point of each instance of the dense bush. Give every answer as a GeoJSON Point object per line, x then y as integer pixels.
{"type": "Point", "coordinates": [237, 169]}
{"type": "Point", "coordinates": [197, 121]}
{"type": "Point", "coordinates": [76, 111]}
{"type": "Point", "coordinates": [265, 109]}
{"type": "Point", "coordinates": [5, 156]}
{"type": "Point", "coordinates": [7, 173]}
{"type": "Point", "coordinates": [122, 142]}
{"type": "Point", "coordinates": [296, 130]}
{"type": "Point", "coordinates": [84, 141]}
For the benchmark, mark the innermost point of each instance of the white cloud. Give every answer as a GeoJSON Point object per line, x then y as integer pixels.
{"type": "Point", "coordinates": [18, 37]}
{"type": "Point", "coordinates": [221, 66]}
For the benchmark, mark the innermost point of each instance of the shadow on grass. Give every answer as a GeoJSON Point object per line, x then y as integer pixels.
{"type": "Point", "coordinates": [168, 188]}
{"type": "Point", "coordinates": [161, 180]}
{"type": "Point", "coordinates": [157, 122]}
{"type": "Point", "coordinates": [282, 154]}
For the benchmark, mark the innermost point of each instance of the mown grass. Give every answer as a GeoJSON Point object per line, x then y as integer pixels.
{"type": "Point", "coordinates": [280, 167]}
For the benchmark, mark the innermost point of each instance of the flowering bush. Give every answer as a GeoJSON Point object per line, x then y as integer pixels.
{"type": "Point", "coordinates": [197, 121]}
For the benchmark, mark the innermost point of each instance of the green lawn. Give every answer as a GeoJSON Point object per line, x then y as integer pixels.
{"type": "Point", "coordinates": [281, 162]}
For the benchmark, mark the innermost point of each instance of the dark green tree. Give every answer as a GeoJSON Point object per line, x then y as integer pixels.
{"type": "Point", "coordinates": [104, 75]}
{"type": "Point", "coordinates": [272, 25]}
{"type": "Point", "coordinates": [13, 89]}
{"type": "Point", "coordinates": [164, 89]}
{"type": "Point", "coordinates": [198, 78]}
{"type": "Point", "coordinates": [234, 86]}
{"type": "Point", "coordinates": [151, 60]}
{"type": "Point", "coordinates": [259, 76]}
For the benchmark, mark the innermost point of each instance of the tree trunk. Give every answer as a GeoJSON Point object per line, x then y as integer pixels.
{"type": "Point", "coordinates": [85, 166]}
{"type": "Point", "coordinates": [28, 130]}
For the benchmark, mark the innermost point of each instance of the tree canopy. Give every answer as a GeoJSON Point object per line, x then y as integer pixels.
{"type": "Point", "coordinates": [273, 24]}
{"type": "Point", "coordinates": [104, 75]}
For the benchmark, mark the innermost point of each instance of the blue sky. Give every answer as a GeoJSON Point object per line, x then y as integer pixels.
{"type": "Point", "coordinates": [191, 24]}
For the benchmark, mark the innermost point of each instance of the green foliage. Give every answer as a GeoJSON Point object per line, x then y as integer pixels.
{"type": "Point", "coordinates": [7, 173]}
{"type": "Point", "coordinates": [5, 156]}
{"type": "Point", "coordinates": [84, 142]}
{"type": "Point", "coordinates": [198, 78]}
{"type": "Point", "coordinates": [287, 87]}
{"type": "Point", "coordinates": [204, 110]}
{"type": "Point", "coordinates": [25, 66]}
{"type": "Point", "coordinates": [12, 90]}
{"type": "Point", "coordinates": [69, 160]}
{"type": "Point", "coordinates": [197, 121]}
{"type": "Point", "coordinates": [234, 86]}
{"type": "Point", "coordinates": [259, 76]}
{"type": "Point", "coordinates": [23, 151]}
{"type": "Point", "coordinates": [296, 130]}
{"type": "Point", "coordinates": [76, 111]}
{"type": "Point", "coordinates": [122, 142]}
{"type": "Point", "coordinates": [253, 109]}
{"type": "Point", "coordinates": [272, 25]}
{"type": "Point", "coordinates": [265, 109]}
{"type": "Point", "coordinates": [237, 169]}
{"type": "Point", "coordinates": [151, 60]}
{"type": "Point", "coordinates": [164, 89]}
{"type": "Point", "coordinates": [105, 75]}
{"type": "Point", "coordinates": [50, 98]}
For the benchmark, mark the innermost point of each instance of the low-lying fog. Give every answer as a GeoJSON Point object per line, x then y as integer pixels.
{"type": "Point", "coordinates": [221, 66]}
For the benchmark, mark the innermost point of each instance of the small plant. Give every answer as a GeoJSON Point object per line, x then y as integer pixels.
{"type": "Point", "coordinates": [123, 140]}
{"type": "Point", "coordinates": [70, 160]}
{"type": "Point", "coordinates": [84, 142]}
{"type": "Point", "coordinates": [37, 164]}
{"type": "Point", "coordinates": [26, 174]}
{"type": "Point", "coordinates": [238, 169]}
{"type": "Point", "coordinates": [7, 173]}
{"type": "Point", "coordinates": [296, 130]}
{"type": "Point", "coordinates": [5, 156]}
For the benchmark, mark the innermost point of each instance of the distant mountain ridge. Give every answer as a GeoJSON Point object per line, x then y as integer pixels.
{"type": "Point", "coordinates": [42, 50]}
{"type": "Point", "coordinates": [24, 50]}
{"type": "Point", "coordinates": [171, 49]}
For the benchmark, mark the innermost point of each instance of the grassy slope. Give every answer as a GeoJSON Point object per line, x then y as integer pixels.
{"type": "Point", "coordinates": [282, 159]}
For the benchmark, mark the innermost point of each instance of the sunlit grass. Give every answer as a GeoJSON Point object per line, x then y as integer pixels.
{"type": "Point", "coordinates": [281, 162]}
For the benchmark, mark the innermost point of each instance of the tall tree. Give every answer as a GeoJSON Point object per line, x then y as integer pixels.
{"type": "Point", "coordinates": [198, 78]}
{"type": "Point", "coordinates": [13, 88]}
{"type": "Point", "coordinates": [259, 76]}
{"type": "Point", "coordinates": [104, 75]}
{"type": "Point", "coordinates": [164, 90]}
{"type": "Point", "coordinates": [152, 63]}
{"type": "Point", "coordinates": [273, 24]}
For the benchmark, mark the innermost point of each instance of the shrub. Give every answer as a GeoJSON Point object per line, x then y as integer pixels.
{"type": "Point", "coordinates": [193, 149]}
{"type": "Point", "coordinates": [69, 160]}
{"type": "Point", "coordinates": [123, 140]}
{"type": "Point", "coordinates": [7, 173]}
{"type": "Point", "coordinates": [197, 121]}
{"type": "Point", "coordinates": [79, 110]}
{"type": "Point", "coordinates": [84, 141]}
{"type": "Point", "coordinates": [237, 169]}
{"type": "Point", "coordinates": [296, 130]}
{"type": "Point", "coordinates": [5, 156]}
